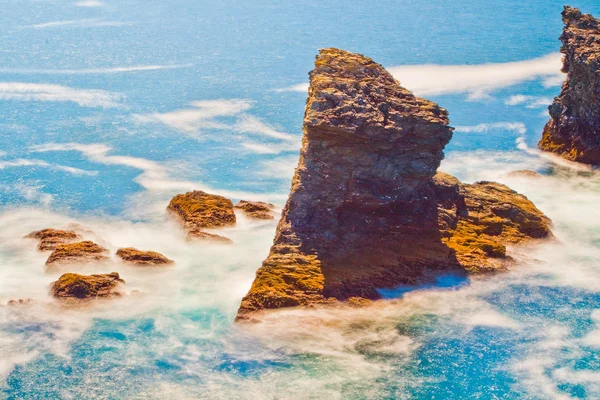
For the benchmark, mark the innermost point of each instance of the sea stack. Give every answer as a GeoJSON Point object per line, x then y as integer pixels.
{"type": "Point", "coordinates": [362, 212]}
{"type": "Point", "coordinates": [366, 209]}
{"type": "Point", "coordinates": [573, 131]}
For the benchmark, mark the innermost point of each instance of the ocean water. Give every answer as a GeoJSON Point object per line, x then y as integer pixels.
{"type": "Point", "coordinates": [109, 108]}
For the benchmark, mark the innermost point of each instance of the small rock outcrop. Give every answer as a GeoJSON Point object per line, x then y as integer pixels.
{"type": "Point", "coordinates": [199, 210]}
{"type": "Point", "coordinates": [477, 221]}
{"type": "Point", "coordinates": [573, 131]}
{"type": "Point", "coordinates": [75, 286]}
{"type": "Point", "coordinates": [79, 252]}
{"type": "Point", "coordinates": [365, 210]}
{"type": "Point", "coordinates": [134, 256]}
{"type": "Point", "coordinates": [50, 238]}
{"type": "Point", "coordinates": [256, 209]}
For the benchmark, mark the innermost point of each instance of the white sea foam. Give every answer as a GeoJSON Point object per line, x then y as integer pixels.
{"type": "Point", "coordinates": [202, 114]}
{"type": "Point", "coordinates": [477, 81]}
{"type": "Point", "coordinates": [30, 191]}
{"type": "Point", "coordinates": [568, 196]}
{"type": "Point", "coordinates": [204, 282]}
{"type": "Point", "coordinates": [89, 3]}
{"type": "Point", "coordinates": [350, 348]}
{"type": "Point", "coordinates": [80, 23]}
{"type": "Point", "coordinates": [517, 127]}
{"type": "Point", "coordinates": [25, 91]}
{"type": "Point", "coordinates": [227, 117]}
{"type": "Point", "coordinates": [529, 101]}
{"type": "Point", "coordinates": [23, 162]}
{"type": "Point", "coordinates": [281, 167]}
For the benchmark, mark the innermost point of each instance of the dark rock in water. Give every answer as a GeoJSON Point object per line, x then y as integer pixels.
{"type": "Point", "coordinates": [87, 286]}
{"type": "Point", "coordinates": [365, 211]}
{"type": "Point", "coordinates": [256, 209]}
{"type": "Point", "coordinates": [79, 252]}
{"type": "Point", "coordinates": [50, 238]}
{"type": "Point", "coordinates": [523, 173]}
{"type": "Point", "coordinates": [573, 131]}
{"type": "Point", "coordinates": [137, 257]}
{"type": "Point", "coordinates": [199, 210]}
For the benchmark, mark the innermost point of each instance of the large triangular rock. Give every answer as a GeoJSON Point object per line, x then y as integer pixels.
{"type": "Point", "coordinates": [362, 212]}
{"type": "Point", "coordinates": [367, 209]}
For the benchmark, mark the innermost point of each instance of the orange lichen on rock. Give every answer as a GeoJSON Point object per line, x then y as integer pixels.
{"type": "Point", "coordinates": [256, 209]}
{"type": "Point", "coordinates": [50, 238]}
{"type": "Point", "coordinates": [199, 210]}
{"type": "Point", "coordinates": [288, 278]}
{"type": "Point", "coordinates": [79, 252]}
{"type": "Point", "coordinates": [145, 258]}
{"type": "Point", "coordinates": [75, 286]}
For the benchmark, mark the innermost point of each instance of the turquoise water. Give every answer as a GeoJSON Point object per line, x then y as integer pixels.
{"type": "Point", "coordinates": [108, 109]}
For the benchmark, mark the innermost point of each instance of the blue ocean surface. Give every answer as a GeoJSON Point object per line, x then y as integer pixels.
{"type": "Point", "coordinates": [109, 108]}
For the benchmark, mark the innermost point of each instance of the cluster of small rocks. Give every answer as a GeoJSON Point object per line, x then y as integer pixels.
{"type": "Point", "coordinates": [68, 248]}
{"type": "Point", "coordinates": [196, 210]}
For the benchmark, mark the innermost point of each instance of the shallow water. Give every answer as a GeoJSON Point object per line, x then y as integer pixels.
{"type": "Point", "coordinates": [108, 109]}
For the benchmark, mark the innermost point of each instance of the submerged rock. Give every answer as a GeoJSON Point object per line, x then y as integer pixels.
{"type": "Point", "coordinates": [50, 238]}
{"type": "Point", "coordinates": [198, 234]}
{"type": "Point", "coordinates": [573, 131]}
{"type": "Point", "coordinates": [19, 302]}
{"type": "Point", "coordinates": [365, 211]}
{"type": "Point", "coordinates": [199, 210]}
{"type": "Point", "coordinates": [79, 252]}
{"type": "Point", "coordinates": [138, 257]}
{"type": "Point", "coordinates": [256, 209]}
{"type": "Point", "coordinates": [87, 286]}
{"type": "Point", "coordinates": [523, 173]}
